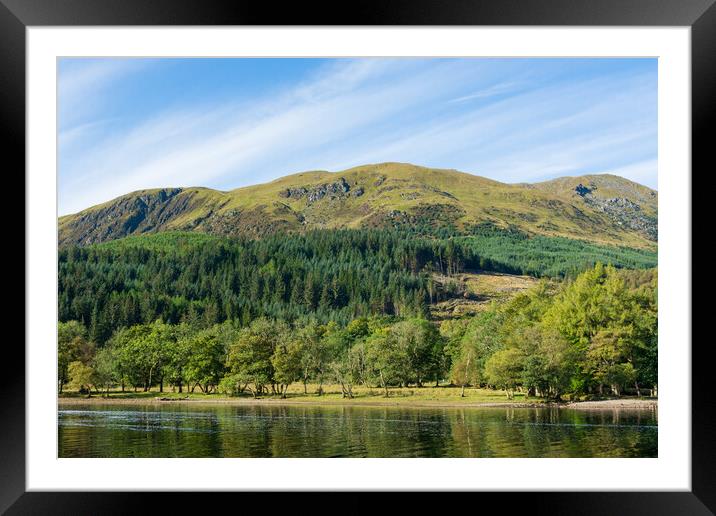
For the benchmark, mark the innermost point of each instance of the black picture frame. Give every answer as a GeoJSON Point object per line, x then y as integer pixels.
{"type": "Point", "coordinates": [699, 15]}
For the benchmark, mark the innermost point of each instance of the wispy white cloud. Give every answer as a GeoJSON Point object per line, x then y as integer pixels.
{"type": "Point", "coordinates": [353, 112]}
{"type": "Point", "coordinates": [83, 86]}
{"type": "Point", "coordinates": [528, 137]}
{"type": "Point", "coordinates": [490, 91]}
{"type": "Point", "coordinates": [202, 144]}
{"type": "Point", "coordinates": [643, 172]}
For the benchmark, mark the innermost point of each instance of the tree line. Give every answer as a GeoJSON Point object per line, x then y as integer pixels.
{"type": "Point", "coordinates": [596, 334]}
{"type": "Point", "coordinates": [337, 275]}
{"type": "Point", "coordinates": [329, 275]}
{"type": "Point", "coordinates": [515, 252]}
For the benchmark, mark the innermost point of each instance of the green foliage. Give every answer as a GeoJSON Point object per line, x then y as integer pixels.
{"type": "Point", "coordinates": [504, 369]}
{"type": "Point", "coordinates": [516, 253]}
{"type": "Point", "coordinates": [205, 358]}
{"type": "Point", "coordinates": [423, 347]}
{"type": "Point", "coordinates": [250, 356]}
{"type": "Point", "coordinates": [477, 341]}
{"type": "Point", "coordinates": [81, 377]}
{"type": "Point", "coordinates": [549, 361]}
{"type": "Point", "coordinates": [106, 369]}
{"type": "Point", "coordinates": [287, 363]}
{"type": "Point", "coordinates": [608, 324]}
{"type": "Point", "coordinates": [387, 361]}
{"type": "Point", "coordinates": [72, 345]}
{"type": "Point", "coordinates": [597, 331]}
{"type": "Point", "coordinates": [325, 275]}
{"type": "Point", "coordinates": [594, 334]}
{"type": "Point", "coordinates": [176, 241]}
{"type": "Point", "coordinates": [330, 276]}
{"type": "Point", "coordinates": [405, 352]}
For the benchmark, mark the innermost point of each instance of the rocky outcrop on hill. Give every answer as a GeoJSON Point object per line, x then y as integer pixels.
{"type": "Point", "coordinates": [622, 211]}
{"type": "Point", "coordinates": [335, 190]}
{"type": "Point", "coordinates": [130, 214]}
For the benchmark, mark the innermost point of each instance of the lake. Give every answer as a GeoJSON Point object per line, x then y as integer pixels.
{"type": "Point", "coordinates": [263, 430]}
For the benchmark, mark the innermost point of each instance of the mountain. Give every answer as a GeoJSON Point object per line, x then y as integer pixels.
{"type": "Point", "coordinates": [603, 209]}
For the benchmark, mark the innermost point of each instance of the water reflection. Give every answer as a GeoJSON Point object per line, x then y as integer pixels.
{"type": "Point", "coordinates": [179, 430]}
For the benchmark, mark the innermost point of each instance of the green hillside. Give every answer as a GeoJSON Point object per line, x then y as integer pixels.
{"type": "Point", "coordinates": [331, 275]}
{"type": "Point", "coordinates": [603, 209]}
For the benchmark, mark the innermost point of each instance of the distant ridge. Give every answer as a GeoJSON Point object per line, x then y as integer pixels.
{"type": "Point", "coordinates": [601, 208]}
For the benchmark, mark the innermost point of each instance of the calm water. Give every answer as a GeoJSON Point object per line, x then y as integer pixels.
{"type": "Point", "coordinates": [183, 430]}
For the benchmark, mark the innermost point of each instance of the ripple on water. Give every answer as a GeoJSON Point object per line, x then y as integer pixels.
{"type": "Point", "coordinates": [321, 431]}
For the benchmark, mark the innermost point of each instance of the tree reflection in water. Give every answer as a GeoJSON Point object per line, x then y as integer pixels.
{"type": "Point", "coordinates": [352, 431]}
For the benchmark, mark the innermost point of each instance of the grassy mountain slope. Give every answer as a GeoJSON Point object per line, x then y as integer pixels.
{"type": "Point", "coordinates": [603, 209]}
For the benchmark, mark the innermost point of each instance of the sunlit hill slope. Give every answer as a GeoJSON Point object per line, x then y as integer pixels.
{"type": "Point", "coordinates": [604, 208]}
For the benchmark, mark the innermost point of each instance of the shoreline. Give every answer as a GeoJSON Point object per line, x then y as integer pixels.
{"type": "Point", "coordinates": [628, 404]}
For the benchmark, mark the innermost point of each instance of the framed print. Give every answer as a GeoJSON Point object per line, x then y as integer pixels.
{"type": "Point", "coordinates": [423, 238]}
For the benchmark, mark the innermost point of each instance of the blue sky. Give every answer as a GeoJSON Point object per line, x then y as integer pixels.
{"type": "Point", "coordinates": [129, 124]}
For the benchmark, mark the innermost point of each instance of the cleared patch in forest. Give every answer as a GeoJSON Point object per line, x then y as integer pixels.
{"type": "Point", "coordinates": [473, 291]}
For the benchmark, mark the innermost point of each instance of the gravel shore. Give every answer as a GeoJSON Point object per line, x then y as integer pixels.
{"type": "Point", "coordinates": [375, 402]}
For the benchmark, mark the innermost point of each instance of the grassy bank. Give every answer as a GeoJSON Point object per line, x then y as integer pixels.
{"type": "Point", "coordinates": [426, 396]}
